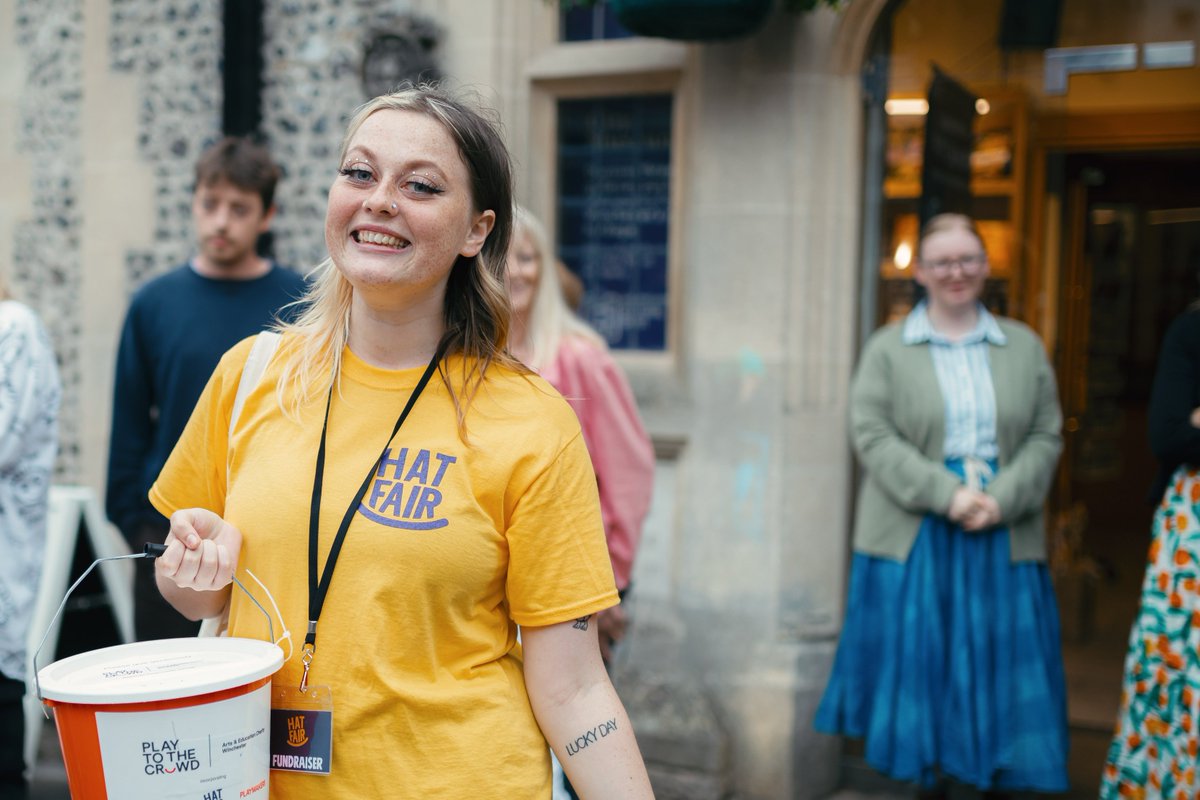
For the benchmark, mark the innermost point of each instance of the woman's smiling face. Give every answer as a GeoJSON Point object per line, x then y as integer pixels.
{"type": "Point", "coordinates": [400, 211]}
{"type": "Point", "coordinates": [953, 268]}
{"type": "Point", "coordinates": [521, 272]}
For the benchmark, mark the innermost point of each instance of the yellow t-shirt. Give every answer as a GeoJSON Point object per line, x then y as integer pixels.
{"type": "Point", "coordinates": [454, 545]}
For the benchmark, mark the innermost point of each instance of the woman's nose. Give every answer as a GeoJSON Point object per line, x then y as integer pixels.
{"type": "Point", "coordinates": [380, 201]}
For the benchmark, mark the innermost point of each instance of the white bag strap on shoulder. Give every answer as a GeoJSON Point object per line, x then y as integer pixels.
{"type": "Point", "coordinates": [256, 364]}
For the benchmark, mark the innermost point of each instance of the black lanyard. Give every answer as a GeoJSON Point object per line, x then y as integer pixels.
{"type": "Point", "coordinates": [317, 591]}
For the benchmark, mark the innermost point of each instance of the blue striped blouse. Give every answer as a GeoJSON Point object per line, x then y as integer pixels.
{"type": "Point", "coordinates": [965, 380]}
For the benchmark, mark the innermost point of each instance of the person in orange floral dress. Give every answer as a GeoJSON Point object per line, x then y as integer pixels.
{"type": "Point", "coordinates": [1154, 749]}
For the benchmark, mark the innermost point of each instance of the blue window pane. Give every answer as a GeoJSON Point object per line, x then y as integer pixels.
{"type": "Point", "coordinates": [578, 25]}
{"type": "Point", "coordinates": [614, 178]}
{"type": "Point", "coordinates": [586, 23]}
{"type": "Point", "coordinates": [612, 28]}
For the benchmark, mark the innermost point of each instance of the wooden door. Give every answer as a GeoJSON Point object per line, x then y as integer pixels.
{"type": "Point", "coordinates": [1130, 263]}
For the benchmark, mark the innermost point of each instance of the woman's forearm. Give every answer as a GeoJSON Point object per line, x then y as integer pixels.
{"type": "Point", "coordinates": [193, 604]}
{"type": "Point", "coordinates": [594, 741]}
{"type": "Point", "coordinates": [580, 714]}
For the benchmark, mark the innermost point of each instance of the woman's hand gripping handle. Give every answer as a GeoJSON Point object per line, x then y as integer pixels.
{"type": "Point", "coordinates": [200, 557]}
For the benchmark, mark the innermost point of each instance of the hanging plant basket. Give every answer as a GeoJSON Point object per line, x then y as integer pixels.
{"type": "Point", "coordinates": [694, 20]}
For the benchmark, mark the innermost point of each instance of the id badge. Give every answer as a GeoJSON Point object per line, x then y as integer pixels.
{"type": "Point", "coordinates": [302, 729]}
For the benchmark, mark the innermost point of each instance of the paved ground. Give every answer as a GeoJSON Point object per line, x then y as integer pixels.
{"type": "Point", "coordinates": [1087, 755]}
{"type": "Point", "coordinates": [49, 777]}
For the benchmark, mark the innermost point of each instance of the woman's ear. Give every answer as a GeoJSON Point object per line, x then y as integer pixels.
{"type": "Point", "coordinates": [478, 234]}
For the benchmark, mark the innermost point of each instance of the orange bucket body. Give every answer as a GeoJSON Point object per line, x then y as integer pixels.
{"type": "Point", "coordinates": [165, 719]}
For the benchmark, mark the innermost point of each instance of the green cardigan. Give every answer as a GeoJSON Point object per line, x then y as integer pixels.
{"type": "Point", "coordinates": [897, 423]}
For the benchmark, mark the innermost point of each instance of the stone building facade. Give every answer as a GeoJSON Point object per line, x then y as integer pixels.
{"type": "Point", "coordinates": [104, 105]}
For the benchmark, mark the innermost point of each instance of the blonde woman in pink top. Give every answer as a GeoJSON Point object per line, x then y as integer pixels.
{"type": "Point", "coordinates": [550, 338]}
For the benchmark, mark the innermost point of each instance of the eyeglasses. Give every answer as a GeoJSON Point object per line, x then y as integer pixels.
{"type": "Point", "coordinates": [969, 264]}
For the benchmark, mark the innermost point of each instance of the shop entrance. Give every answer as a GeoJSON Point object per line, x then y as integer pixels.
{"type": "Point", "coordinates": [1130, 263]}
{"type": "Point", "coordinates": [1084, 180]}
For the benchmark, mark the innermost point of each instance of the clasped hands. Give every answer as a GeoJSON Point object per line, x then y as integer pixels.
{"type": "Point", "coordinates": [973, 510]}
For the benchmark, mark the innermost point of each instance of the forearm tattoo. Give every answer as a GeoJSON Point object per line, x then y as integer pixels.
{"type": "Point", "coordinates": [581, 624]}
{"type": "Point", "coordinates": [590, 737]}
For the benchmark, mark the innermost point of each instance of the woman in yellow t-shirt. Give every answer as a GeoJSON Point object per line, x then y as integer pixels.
{"type": "Point", "coordinates": [410, 494]}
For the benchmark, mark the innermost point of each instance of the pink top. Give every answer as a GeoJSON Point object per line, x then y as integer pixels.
{"type": "Point", "coordinates": [622, 455]}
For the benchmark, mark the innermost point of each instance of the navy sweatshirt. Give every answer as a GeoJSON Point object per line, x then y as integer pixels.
{"type": "Point", "coordinates": [176, 330]}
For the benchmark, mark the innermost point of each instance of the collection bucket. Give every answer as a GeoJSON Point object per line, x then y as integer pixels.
{"type": "Point", "coordinates": [165, 719]}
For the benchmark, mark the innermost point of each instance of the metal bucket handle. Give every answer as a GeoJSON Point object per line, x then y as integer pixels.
{"type": "Point", "coordinates": [151, 551]}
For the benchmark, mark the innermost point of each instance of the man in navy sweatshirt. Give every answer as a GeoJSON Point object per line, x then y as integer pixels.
{"type": "Point", "coordinates": [177, 328]}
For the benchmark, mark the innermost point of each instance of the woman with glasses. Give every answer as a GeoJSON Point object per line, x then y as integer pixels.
{"type": "Point", "coordinates": [949, 664]}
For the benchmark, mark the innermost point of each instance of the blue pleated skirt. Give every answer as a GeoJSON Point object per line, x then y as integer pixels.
{"type": "Point", "coordinates": [950, 665]}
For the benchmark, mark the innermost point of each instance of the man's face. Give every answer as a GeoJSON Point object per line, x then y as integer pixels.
{"type": "Point", "coordinates": [228, 222]}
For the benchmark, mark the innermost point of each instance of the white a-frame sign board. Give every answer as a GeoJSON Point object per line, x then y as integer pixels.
{"type": "Point", "coordinates": [72, 509]}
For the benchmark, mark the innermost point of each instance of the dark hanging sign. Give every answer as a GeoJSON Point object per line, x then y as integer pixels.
{"type": "Point", "coordinates": [242, 72]}
{"type": "Point", "coordinates": [1029, 24]}
{"type": "Point", "coordinates": [949, 139]}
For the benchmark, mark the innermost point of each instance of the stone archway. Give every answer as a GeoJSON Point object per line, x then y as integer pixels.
{"type": "Point", "coordinates": [855, 24]}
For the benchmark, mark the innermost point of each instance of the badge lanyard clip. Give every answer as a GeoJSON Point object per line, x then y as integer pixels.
{"type": "Point", "coordinates": [310, 650]}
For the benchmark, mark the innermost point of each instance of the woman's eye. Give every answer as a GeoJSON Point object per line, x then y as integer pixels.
{"type": "Point", "coordinates": [421, 186]}
{"type": "Point", "coordinates": [357, 174]}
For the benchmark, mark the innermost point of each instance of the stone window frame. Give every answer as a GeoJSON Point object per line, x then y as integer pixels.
{"type": "Point", "coordinates": [615, 68]}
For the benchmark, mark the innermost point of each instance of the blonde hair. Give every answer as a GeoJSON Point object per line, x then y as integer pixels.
{"type": "Point", "coordinates": [476, 312]}
{"type": "Point", "coordinates": [940, 223]}
{"type": "Point", "coordinates": [551, 319]}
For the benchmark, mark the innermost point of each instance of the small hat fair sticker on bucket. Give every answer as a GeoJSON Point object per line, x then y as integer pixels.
{"type": "Point", "coordinates": [174, 718]}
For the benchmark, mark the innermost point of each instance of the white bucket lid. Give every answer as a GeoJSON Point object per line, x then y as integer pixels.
{"type": "Point", "coordinates": [163, 669]}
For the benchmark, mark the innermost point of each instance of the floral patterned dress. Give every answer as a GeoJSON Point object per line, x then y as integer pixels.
{"type": "Point", "coordinates": [1155, 746]}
